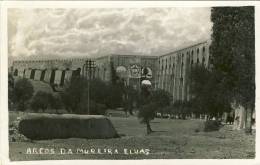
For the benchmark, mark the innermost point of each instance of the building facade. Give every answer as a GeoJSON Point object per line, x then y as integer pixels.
{"type": "Point", "coordinates": [174, 67]}
{"type": "Point", "coordinates": [168, 72]}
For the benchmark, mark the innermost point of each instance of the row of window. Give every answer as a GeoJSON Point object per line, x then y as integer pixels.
{"type": "Point", "coordinates": [49, 61]}
{"type": "Point", "coordinates": [172, 59]}
{"type": "Point", "coordinates": [164, 69]}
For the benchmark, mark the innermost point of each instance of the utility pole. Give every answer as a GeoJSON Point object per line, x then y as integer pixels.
{"type": "Point", "coordinates": [90, 66]}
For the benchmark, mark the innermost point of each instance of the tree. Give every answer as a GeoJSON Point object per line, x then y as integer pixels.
{"type": "Point", "coordinates": [151, 102]}
{"type": "Point", "coordinates": [233, 54]}
{"type": "Point", "coordinates": [208, 97]}
{"type": "Point", "coordinates": [130, 97]}
{"type": "Point", "coordinates": [116, 89]}
{"type": "Point", "coordinates": [40, 101]}
{"type": "Point", "coordinates": [10, 91]}
{"type": "Point", "coordinates": [73, 93]}
{"type": "Point", "coordinates": [55, 102]}
{"type": "Point", "coordinates": [75, 96]}
{"type": "Point", "coordinates": [23, 91]}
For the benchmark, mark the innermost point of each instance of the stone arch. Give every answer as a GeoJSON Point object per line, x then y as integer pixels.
{"type": "Point", "coordinates": [43, 75]}
{"type": "Point", "coordinates": [52, 76]}
{"type": "Point", "coordinates": [76, 73]}
{"type": "Point", "coordinates": [16, 72]}
{"type": "Point", "coordinates": [32, 74]}
{"type": "Point", "coordinates": [147, 72]}
{"type": "Point", "coordinates": [104, 73]}
{"type": "Point", "coordinates": [24, 72]}
{"type": "Point", "coordinates": [62, 77]}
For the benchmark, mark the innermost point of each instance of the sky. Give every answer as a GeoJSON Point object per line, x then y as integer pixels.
{"type": "Point", "coordinates": [70, 33]}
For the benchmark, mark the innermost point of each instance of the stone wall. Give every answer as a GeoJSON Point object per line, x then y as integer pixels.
{"type": "Point", "coordinates": [168, 72]}
{"type": "Point", "coordinates": [59, 71]}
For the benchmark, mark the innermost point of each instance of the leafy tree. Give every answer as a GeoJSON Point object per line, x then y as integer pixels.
{"type": "Point", "coordinates": [233, 54]}
{"type": "Point", "coordinates": [10, 91]}
{"type": "Point", "coordinates": [207, 96]}
{"type": "Point", "coordinates": [116, 89]}
{"type": "Point", "coordinates": [73, 93]}
{"type": "Point", "coordinates": [151, 102]}
{"type": "Point", "coordinates": [23, 91]}
{"type": "Point", "coordinates": [41, 101]}
{"type": "Point", "coordinates": [115, 96]}
{"type": "Point", "coordinates": [146, 114]}
{"type": "Point", "coordinates": [55, 102]}
{"type": "Point", "coordinates": [75, 96]}
{"type": "Point", "coordinates": [130, 97]}
{"type": "Point", "coordinates": [114, 76]}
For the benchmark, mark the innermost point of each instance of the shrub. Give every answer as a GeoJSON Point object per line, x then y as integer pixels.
{"type": "Point", "coordinates": [211, 125]}
{"type": "Point", "coordinates": [10, 92]}
{"type": "Point", "coordinates": [23, 91]}
{"type": "Point", "coordinates": [41, 100]}
{"type": "Point", "coordinates": [55, 102]}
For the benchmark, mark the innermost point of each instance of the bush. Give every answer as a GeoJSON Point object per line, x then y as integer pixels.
{"type": "Point", "coordinates": [75, 96]}
{"type": "Point", "coordinates": [212, 125]}
{"type": "Point", "coordinates": [23, 92]}
{"type": "Point", "coordinates": [55, 102]}
{"type": "Point", "coordinates": [41, 100]}
{"type": "Point", "coordinates": [94, 108]}
{"type": "Point", "coordinates": [10, 92]}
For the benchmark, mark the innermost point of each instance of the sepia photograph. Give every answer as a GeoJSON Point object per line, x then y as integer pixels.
{"type": "Point", "coordinates": [131, 83]}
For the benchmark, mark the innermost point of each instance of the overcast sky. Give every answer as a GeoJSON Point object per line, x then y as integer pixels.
{"type": "Point", "coordinates": [47, 33]}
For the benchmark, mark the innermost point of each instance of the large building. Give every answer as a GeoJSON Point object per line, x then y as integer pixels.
{"type": "Point", "coordinates": [168, 71]}
{"type": "Point", "coordinates": [173, 69]}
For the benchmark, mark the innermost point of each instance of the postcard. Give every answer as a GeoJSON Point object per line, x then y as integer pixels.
{"type": "Point", "coordinates": [129, 82]}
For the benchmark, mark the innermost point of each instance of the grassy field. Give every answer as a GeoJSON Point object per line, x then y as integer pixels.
{"type": "Point", "coordinates": [172, 139]}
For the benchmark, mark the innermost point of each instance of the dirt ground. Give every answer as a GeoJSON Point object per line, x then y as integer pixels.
{"type": "Point", "coordinates": [171, 139]}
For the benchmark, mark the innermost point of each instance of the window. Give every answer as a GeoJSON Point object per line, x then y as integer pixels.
{"type": "Point", "coordinates": [198, 51]}
{"type": "Point", "coordinates": [203, 49]}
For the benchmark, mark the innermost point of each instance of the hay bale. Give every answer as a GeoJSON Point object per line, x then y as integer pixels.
{"type": "Point", "coordinates": [51, 126]}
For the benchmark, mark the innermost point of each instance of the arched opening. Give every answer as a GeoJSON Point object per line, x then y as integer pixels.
{"type": "Point", "coordinates": [43, 75]}
{"type": "Point", "coordinates": [32, 74]}
{"type": "Point", "coordinates": [104, 73]}
{"type": "Point", "coordinates": [24, 72]}
{"type": "Point", "coordinates": [203, 60]}
{"type": "Point", "coordinates": [16, 72]}
{"type": "Point", "coordinates": [52, 76]}
{"type": "Point", "coordinates": [147, 72]}
{"type": "Point", "coordinates": [76, 73]}
{"type": "Point", "coordinates": [62, 78]}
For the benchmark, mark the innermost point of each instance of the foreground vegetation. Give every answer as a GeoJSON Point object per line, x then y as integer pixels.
{"type": "Point", "coordinates": [171, 139]}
